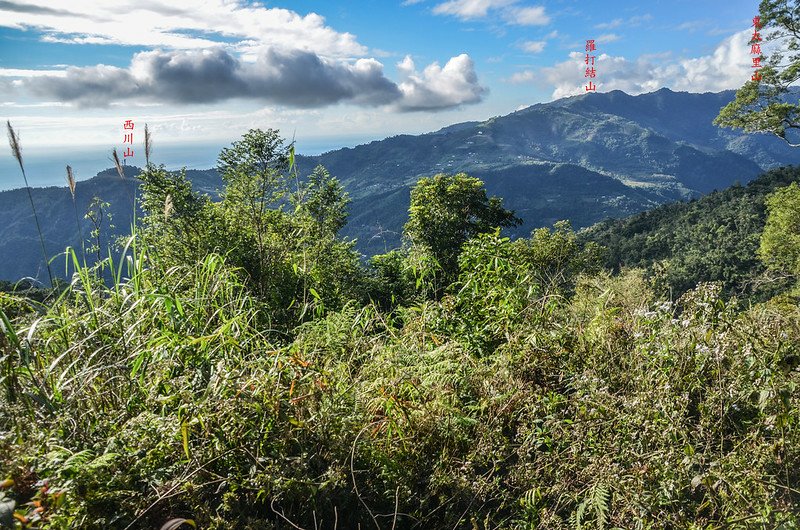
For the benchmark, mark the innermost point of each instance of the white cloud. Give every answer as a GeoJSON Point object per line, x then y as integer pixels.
{"type": "Point", "coordinates": [526, 16]}
{"type": "Point", "coordinates": [18, 72]}
{"type": "Point", "coordinates": [526, 76]}
{"type": "Point", "coordinates": [470, 9]}
{"type": "Point", "coordinates": [509, 11]}
{"type": "Point", "coordinates": [533, 46]}
{"type": "Point", "coordinates": [728, 67]}
{"type": "Point", "coordinates": [437, 88]}
{"type": "Point", "coordinates": [606, 38]}
{"type": "Point", "coordinates": [631, 22]}
{"type": "Point", "coordinates": [617, 22]}
{"type": "Point", "coordinates": [198, 25]}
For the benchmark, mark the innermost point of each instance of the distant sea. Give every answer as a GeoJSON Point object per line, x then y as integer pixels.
{"type": "Point", "coordinates": [47, 166]}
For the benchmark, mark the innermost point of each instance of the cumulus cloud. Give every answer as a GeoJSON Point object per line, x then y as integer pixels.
{"type": "Point", "coordinates": [248, 28]}
{"type": "Point", "coordinates": [509, 11]}
{"type": "Point", "coordinates": [222, 49]}
{"type": "Point", "coordinates": [439, 87]}
{"type": "Point", "coordinates": [526, 76]}
{"type": "Point", "coordinates": [728, 67]}
{"type": "Point", "coordinates": [293, 78]}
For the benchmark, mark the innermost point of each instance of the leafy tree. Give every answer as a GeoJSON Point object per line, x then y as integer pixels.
{"type": "Point", "coordinates": [764, 104]}
{"type": "Point", "coordinates": [329, 266]}
{"type": "Point", "coordinates": [445, 212]}
{"type": "Point", "coordinates": [177, 219]}
{"type": "Point", "coordinates": [780, 242]}
{"type": "Point", "coordinates": [292, 259]}
{"type": "Point", "coordinates": [325, 202]}
{"type": "Point", "coordinates": [390, 283]}
{"type": "Point", "coordinates": [255, 172]}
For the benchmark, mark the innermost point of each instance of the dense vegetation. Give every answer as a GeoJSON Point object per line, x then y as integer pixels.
{"type": "Point", "coordinates": [243, 369]}
{"type": "Point", "coordinates": [714, 238]}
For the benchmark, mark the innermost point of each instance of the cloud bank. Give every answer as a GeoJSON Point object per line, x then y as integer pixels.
{"type": "Point", "coordinates": [219, 50]}
{"type": "Point", "coordinates": [294, 78]}
{"type": "Point", "coordinates": [727, 67]}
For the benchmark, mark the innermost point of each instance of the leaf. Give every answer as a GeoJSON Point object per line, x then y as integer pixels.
{"type": "Point", "coordinates": [763, 399]}
{"type": "Point", "coordinates": [185, 436]}
{"type": "Point", "coordinates": [174, 524]}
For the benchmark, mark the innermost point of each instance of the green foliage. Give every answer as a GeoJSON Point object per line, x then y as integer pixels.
{"type": "Point", "coordinates": [445, 212]}
{"type": "Point", "coordinates": [100, 217]}
{"type": "Point", "coordinates": [214, 385]}
{"type": "Point", "coordinates": [391, 281]}
{"type": "Point", "coordinates": [325, 202]}
{"type": "Point", "coordinates": [292, 259]}
{"type": "Point", "coordinates": [715, 238]}
{"type": "Point", "coordinates": [504, 286]}
{"type": "Point", "coordinates": [780, 241]}
{"type": "Point", "coordinates": [765, 105]}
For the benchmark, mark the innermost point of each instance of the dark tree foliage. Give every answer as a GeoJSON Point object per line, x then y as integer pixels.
{"type": "Point", "coordinates": [715, 238]}
{"type": "Point", "coordinates": [766, 103]}
{"type": "Point", "coordinates": [445, 212]}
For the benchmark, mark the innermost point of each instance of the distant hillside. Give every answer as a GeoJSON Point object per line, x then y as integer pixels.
{"type": "Point", "coordinates": [582, 158]}
{"type": "Point", "coordinates": [585, 158]}
{"type": "Point", "coordinates": [19, 244]}
{"type": "Point", "coordinates": [714, 238]}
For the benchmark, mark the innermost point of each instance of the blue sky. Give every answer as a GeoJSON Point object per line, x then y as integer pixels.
{"type": "Point", "coordinates": [339, 73]}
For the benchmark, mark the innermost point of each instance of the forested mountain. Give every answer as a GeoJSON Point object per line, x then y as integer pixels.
{"type": "Point", "coordinates": [714, 238]}
{"type": "Point", "coordinates": [585, 158]}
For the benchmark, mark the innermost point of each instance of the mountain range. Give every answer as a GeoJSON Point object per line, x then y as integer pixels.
{"type": "Point", "coordinates": [585, 158]}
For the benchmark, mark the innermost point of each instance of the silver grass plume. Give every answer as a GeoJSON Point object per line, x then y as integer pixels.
{"type": "Point", "coordinates": [168, 206]}
{"type": "Point", "coordinates": [148, 144]}
{"type": "Point", "coordinates": [117, 163]}
{"type": "Point", "coordinates": [71, 181]}
{"type": "Point", "coordinates": [13, 141]}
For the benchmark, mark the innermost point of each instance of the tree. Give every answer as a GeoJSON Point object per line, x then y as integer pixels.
{"type": "Point", "coordinates": [766, 104]}
{"type": "Point", "coordinates": [255, 172]}
{"type": "Point", "coordinates": [325, 202]}
{"type": "Point", "coordinates": [176, 219]}
{"type": "Point", "coordinates": [445, 212]}
{"type": "Point", "coordinates": [780, 241]}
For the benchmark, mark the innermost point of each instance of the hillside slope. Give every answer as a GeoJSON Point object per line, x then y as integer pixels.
{"type": "Point", "coordinates": [583, 158]}
{"type": "Point", "coordinates": [714, 238]}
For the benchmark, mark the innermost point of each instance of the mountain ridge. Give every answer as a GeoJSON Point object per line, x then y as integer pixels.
{"type": "Point", "coordinates": [584, 158]}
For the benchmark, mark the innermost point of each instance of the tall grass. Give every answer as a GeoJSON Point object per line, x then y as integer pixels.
{"type": "Point", "coordinates": [72, 184]}
{"type": "Point", "coordinates": [162, 396]}
{"type": "Point", "coordinates": [536, 393]}
{"type": "Point", "coordinates": [16, 151]}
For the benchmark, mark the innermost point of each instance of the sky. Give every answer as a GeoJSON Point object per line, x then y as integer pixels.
{"type": "Point", "coordinates": [333, 74]}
